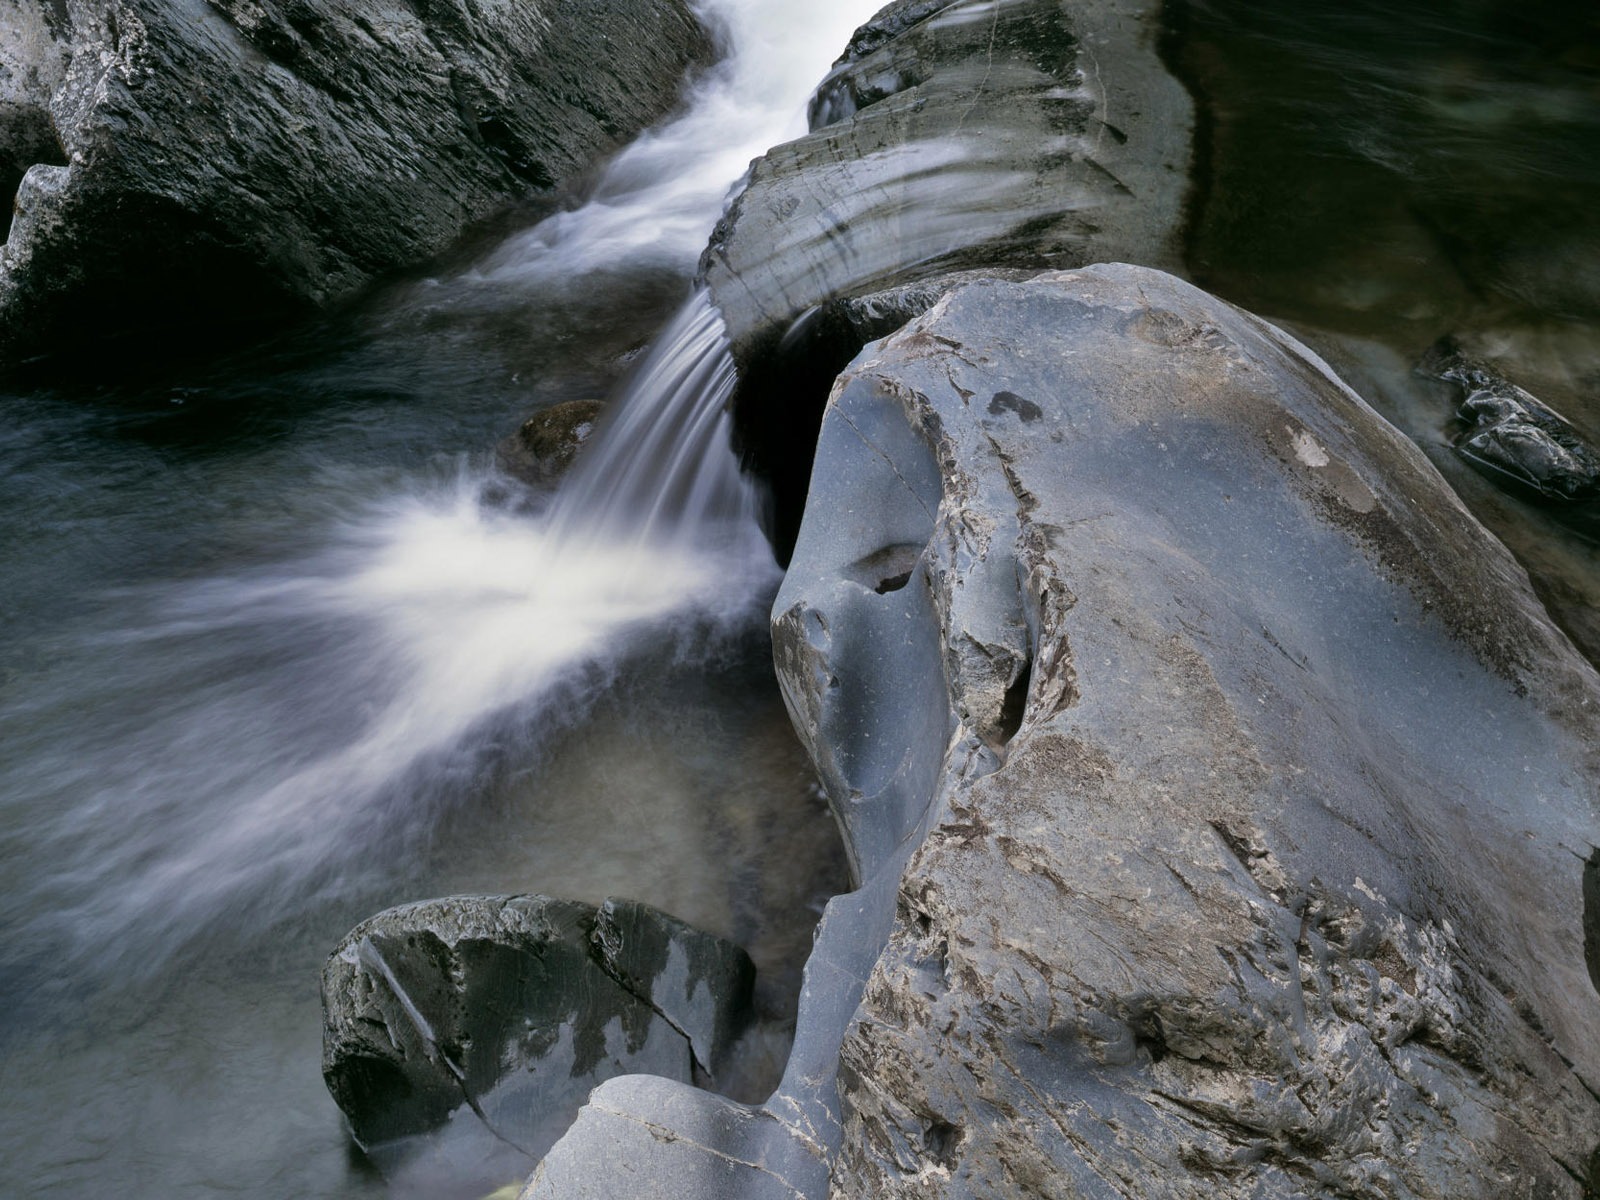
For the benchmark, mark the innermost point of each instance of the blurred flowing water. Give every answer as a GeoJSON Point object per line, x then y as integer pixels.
{"type": "Point", "coordinates": [284, 647]}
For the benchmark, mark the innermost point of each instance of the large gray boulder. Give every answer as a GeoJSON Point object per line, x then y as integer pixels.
{"type": "Point", "coordinates": [492, 1017]}
{"type": "Point", "coordinates": [1222, 799]}
{"type": "Point", "coordinates": [183, 161]}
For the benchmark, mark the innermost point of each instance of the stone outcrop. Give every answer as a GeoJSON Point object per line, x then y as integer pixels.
{"type": "Point", "coordinates": [492, 1017]}
{"type": "Point", "coordinates": [1024, 133]}
{"type": "Point", "coordinates": [1018, 134]}
{"type": "Point", "coordinates": [1221, 798]}
{"type": "Point", "coordinates": [198, 162]}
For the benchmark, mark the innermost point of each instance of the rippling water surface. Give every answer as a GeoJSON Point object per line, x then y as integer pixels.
{"type": "Point", "coordinates": [1379, 175]}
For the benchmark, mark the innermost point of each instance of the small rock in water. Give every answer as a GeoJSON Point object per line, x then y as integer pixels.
{"type": "Point", "coordinates": [1512, 437]}
{"type": "Point", "coordinates": [540, 452]}
{"type": "Point", "coordinates": [491, 1018]}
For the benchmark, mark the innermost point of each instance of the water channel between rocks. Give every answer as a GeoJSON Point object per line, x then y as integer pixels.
{"type": "Point", "coordinates": [283, 648]}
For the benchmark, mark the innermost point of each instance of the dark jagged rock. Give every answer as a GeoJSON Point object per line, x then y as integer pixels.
{"type": "Point", "coordinates": [1222, 799]}
{"type": "Point", "coordinates": [1512, 437]}
{"type": "Point", "coordinates": [197, 163]}
{"type": "Point", "coordinates": [1018, 134]}
{"type": "Point", "coordinates": [544, 446]}
{"type": "Point", "coordinates": [498, 1014]}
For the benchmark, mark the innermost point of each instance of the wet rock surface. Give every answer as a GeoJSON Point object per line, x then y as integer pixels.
{"type": "Point", "coordinates": [545, 445]}
{"type": "Point", "coordinates": [492, 1017]}
{"type": "Point", "coordinates": [1512, 437]}
{"type": "Point", "coordinates": [181, 166]}
{"type": "Point", "coordinates": [1220, 796]}
{"type": "Point", "coordinates": [1019, 133]}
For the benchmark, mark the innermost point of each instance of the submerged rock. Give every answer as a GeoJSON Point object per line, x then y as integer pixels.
{"type": "Point", "coordinates": [1512, 437]}
{"type": "Point", "coordinates": [545, 445]}
{"type": "Point", "coordinates": [183, 165]}
{"type": "Point", "coordinates": [498, 1015]}
{"type": "Point", "coordinates": [1221, 797]}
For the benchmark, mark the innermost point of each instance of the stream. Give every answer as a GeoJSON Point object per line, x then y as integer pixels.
{"type": "Point", "coordinates": [283, 646]}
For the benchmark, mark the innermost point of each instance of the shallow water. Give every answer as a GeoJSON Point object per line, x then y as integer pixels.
{"type": "Point", "coordinates": [284, 648]}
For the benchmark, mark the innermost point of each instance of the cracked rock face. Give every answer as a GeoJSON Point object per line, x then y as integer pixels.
{"type": "Point", "coordinates": [1222, 801]}
{"type": "Point", "coordinates": [180, 161]}
{"type": "Point", "coordinates": [1255, 864]}
{"type": "Point", "coordinates": [494, 1016]}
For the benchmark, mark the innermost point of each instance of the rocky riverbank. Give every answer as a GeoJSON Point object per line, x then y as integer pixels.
{"type": "Point", "coordinates": [178, 170]}
{"type": "Point", "coordinates": [1219, 796]}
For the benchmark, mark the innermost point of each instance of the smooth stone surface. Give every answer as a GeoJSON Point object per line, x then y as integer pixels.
{"type": "Point", "coordinates": [1255, 866]}
{"type": "Point", "coordinates": [1017, 134]}
{"type": "Point", "coordinates": [498, 1014]}
{"type": "Point", "coordinates": [179, 164]}
{"type": "Point", "coordinates": [1007, 133]}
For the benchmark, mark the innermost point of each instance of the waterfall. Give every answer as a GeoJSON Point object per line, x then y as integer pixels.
{"type": "Point", "coordinates": [661, 468]}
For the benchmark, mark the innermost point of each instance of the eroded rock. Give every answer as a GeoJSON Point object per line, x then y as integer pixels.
{"type": "Point", "coordinates": [1021, 133]}
{"type": "Point", "coordinates": [1243, 898]}
{"type": "Point", "coordinates": [1017, 134]}
{"type": "Point", "coordinates": [178, 166]}
{"type": "Point", "coordinates": [496, 1015]}
{"type": "Point", "coordinates": [1221, 799]}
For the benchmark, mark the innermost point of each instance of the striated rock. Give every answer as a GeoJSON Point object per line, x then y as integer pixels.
{"type": "Point", "coordinates": [542, 449]}
{"type": "Point", "coordinates": [197, 163]}
{"type": "Point", "coordinates": [496, 1015]}
{"type": "Point", "coordinates": [1017, 134]}
{"type": "Point", "coordinates": [1020, 133]}
{"type": "Point", "coordinates": [1222, 801]}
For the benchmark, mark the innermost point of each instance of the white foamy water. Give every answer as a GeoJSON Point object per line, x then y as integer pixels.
{"type": "Point", "coordinates": [267, 734]}
{"type": "Point", "coordinates": [339, 705]}
{"type": "Point", "coordinates": [660, 197]}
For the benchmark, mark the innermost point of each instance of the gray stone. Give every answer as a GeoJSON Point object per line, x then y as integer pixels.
{"type": "Point", "coordinates": [545, 445]}
{"type": "Point", "coordinates": [1022, 133]}
{"type": "Point", "coordinates": [176, 162]}
{"type": "Point", "coordinates": [492, 1017]}
{"type": "Point", "coordinates": [1220, 797]}
{"type": "Point", "coordinates": [1255, 862]}
{"type": "Point", "coordinates": [1512, 437]}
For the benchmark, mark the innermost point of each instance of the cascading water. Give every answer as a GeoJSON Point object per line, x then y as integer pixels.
{"type": "Point", "coordinates": [661, 469]}
{"type": "Point", "coordinates": [335, 668]}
